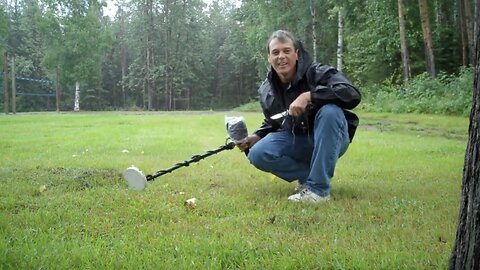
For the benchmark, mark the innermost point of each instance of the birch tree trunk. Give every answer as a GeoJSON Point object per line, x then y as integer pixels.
{"type": "Point", "coordinates": [147, 79]}
{"type": "Point", "coordinates": [5, 82]}
{"type": "Point", "coordinates": [57, 88]}
{"type": "Point", "coordinates": [466, 250]}
{"type": "Point", "coordinates": [168, 68]}
{"type": "Point", "coordinates": [427, 38]}
{"type": "Point", "coordinates": [340, 41]}
{"type": "Point", "coordinates": [149, 51]}
{"type": "Point", "coordinates": [403, 42]}
{"type": "Point", "coordinates": [123, 57]}
{"type": "Point", "coordinates": [76, 107]}
{"type": "Point", "coordinates": [14, 86]}
{"type": "Point", "coordinates": [313, 13]}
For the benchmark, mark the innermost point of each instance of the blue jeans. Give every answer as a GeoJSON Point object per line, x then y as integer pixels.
{"type": "Point", "coordinates": [311, 158]}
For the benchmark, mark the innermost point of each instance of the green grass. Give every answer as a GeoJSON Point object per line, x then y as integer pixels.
{"type": "Point", "coordinates": [63, 203]}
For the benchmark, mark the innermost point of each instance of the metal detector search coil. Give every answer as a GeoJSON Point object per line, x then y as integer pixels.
{"type": "Point", "coordinates": [135, 178]}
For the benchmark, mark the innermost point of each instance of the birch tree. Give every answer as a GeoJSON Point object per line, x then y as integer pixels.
{"type": "Point", "coordinates": [403, 42]}
{"type": "Point", "coordinates": [4, 57]}
{"type": "Point", "coordinates": [122, 16]}
{"type": "Point", "coordinates": [340, 41]}
{"type": "Point", "coordinates": [313, 13]}
{"type": "Point", "coordinates": [150, 54]}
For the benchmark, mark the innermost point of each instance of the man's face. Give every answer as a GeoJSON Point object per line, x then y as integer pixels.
{"type": "Point", "coordinates": [283, 58]}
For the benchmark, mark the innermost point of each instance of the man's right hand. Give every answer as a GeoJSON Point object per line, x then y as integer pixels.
{"type": "Point", "coordinates": [248, 142]}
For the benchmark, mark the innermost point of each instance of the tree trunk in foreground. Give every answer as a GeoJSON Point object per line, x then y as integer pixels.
{"type": "Point", "coordinates": [466, 250]}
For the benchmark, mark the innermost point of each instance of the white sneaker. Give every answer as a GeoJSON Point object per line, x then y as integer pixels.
{"type": "Point", "coordinates": [300, 187]}
{"type": "Point", "coordinates": [308, 196]}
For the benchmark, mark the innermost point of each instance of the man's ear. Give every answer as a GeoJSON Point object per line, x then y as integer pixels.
{"type": "Point", "coordinates": [298, 53]}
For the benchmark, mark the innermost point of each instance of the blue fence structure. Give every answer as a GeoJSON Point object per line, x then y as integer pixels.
{"type": "Point", "coordinates": [35, 94]}
{"type": "Point", "coordinates": [29, 87]}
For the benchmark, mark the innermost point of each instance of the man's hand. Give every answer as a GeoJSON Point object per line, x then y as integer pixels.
{"type": "Point", "coordinates": [299, 105]}
{"type": "Point", "coordinates": [248, 142]}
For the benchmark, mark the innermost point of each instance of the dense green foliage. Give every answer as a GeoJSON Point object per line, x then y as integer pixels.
{"type": "Point", "coordinates": [65, 206]}
{"type": "Point", "coordinates": [446, 94]}
{"type": "Point", "coordinates": [177, 55]}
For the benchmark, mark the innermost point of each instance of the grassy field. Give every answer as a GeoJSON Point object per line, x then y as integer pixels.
{"type": "Point", "coordinates": [64, 205]}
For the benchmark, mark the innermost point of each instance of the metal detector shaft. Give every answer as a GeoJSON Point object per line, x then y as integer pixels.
{"type": "Point", "coordinates": [195, 158]}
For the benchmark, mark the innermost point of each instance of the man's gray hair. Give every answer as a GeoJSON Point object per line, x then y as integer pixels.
{"type": "Point", "coordinates": [283, 36]}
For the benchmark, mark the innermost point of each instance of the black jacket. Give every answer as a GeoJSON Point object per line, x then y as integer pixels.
{"type": "Point", "coordinates": [326, 84]}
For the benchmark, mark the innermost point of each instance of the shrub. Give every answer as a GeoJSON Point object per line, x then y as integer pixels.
{"type": "Point", "coordinates": [446, 94]}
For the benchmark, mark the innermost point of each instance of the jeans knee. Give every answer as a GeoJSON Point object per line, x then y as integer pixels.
{"type": "Point", "coordinates": [254, 157]}
{"type": "Point", "coordinates": [260, 159]}
{"type": "Point", "coordinates": [330, 113]}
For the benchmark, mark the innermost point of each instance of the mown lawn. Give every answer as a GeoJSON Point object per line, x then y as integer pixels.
{"type": "Point", "coordinates": [64, 205]}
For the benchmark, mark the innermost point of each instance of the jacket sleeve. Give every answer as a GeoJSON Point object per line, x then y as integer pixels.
{"type": "Point", "coordinates": [331, 86]}
{"type": "Point", "coordinates": [268, 124]}
{"type": "Point", "coordinates": [264, 129]}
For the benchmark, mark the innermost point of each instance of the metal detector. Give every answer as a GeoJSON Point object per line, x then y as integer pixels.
{"type": "Point", "coordinates": [237, 131]}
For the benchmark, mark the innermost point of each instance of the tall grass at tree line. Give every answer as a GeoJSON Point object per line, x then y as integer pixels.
{"type": "Point", "coordinates": [64, 205]}
{"type": "Point", "coordinates": [446, 94]}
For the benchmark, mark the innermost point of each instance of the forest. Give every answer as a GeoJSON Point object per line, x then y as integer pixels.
{"type": "Point", "coordinates": [404, 55]}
